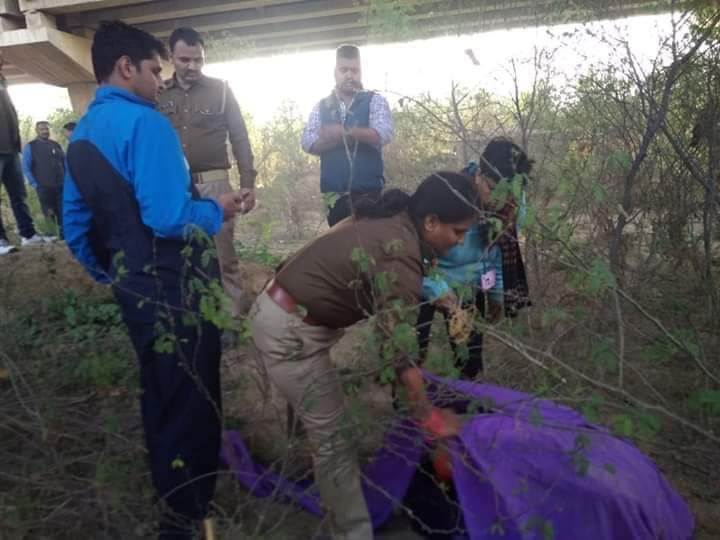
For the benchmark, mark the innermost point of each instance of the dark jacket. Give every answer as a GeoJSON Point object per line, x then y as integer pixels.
{"type": "Point", "coordinates": [44, 163]}
{"type": "Point", "coordinates": [9, 131]}
{"type": "Point", "coordinates": [336, 173]}
{"type": "Point", "coordinates": [149, 272]}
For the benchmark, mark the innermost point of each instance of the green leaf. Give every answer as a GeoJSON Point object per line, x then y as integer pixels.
{"type": "Point", "coordinates": [394, 247]}
{"type": "Point", "coordinates": [581, 463]}
{"type": "Point", "coordinates": [659, 351]}
{"type": "Point", "coordinates": [360, 257]}
{"type": "Point", "coordinates": [620, 161]}
{"type": "Point", "coordinates": [541, 525]}
{"type": "Point", "coordinates": [598, 192]}
{"type": "Point", "coordinates": [622, 425]}
{"type": "Point", "coordinates": [648, 425]}
{"type": "Point", "coordinates": [600, 278]}
{"type": "Point", "coordinates": [530, 218]}
{"type": "Point", "coordinates": [707, 400]}
{"type": "Point", "coordinates": [536, 418]}
{"type": "Point", "coordinates": [384, 282]}
{"type": "Point", "coordinates": [387, 375]}
{"type": "Point", "coordinates": [602, 354]}
{"type": "Point", "coordinates": [496, 227]}
{"type": "Point", "coordinates": [591, 408]}
{"type": "Point", "coordinates": [164, 343]}
{"type": "Point", "coordinates": [329, 199]}
{"type": "Point", "coordinates": [500, 192]}
{"type": "Point", "coordinates": [442, 362]}
{"type": "Point", "coordinates": [404, 338]}
{"type": "Point", "coordinates": [609, 467]}
{"type": "Point", "coordinates": [688, 338]}
{"type": "Point", "coordinates": [553, 315]}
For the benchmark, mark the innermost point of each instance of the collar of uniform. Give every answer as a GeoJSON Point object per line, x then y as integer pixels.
{"type": "Point", "coordinates": [334, 99]}
{"type": "Point", "coordinates": [111, 93]}
{"type": "Point", "coordinates": [427, 254]}
{"type": "Point", "coordinates": [172, 82]}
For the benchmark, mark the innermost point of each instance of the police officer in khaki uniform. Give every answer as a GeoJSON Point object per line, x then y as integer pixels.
{"type": "Point", "coordinates": [205, 115]}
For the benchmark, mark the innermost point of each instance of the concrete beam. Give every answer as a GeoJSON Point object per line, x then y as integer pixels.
{"type": "Point", "coordinates": [38, 19]}
{"type": "Point", "coordinates": [15, 75]}
{"type": "Point", "coordinates": [57, 7]}
{"type": "Point", "coordinates": [325, 32]}
{"type": "Point", "coordinates": [81, 94]}
{"type": "Point", "coordinates": [160, 10]}
{"type": "Point", "coordinates": [266, 26]}
{"type": "Point", "coordinates": [248, 18]}
{"type": "Point", "coordinates": [49, 55]}
{"type": "Point", "coordinates": [10, 8]}
{"type": "Point", "coordinates": [8, 24]}
{"type": "Point", "coordinates": [10, 16]}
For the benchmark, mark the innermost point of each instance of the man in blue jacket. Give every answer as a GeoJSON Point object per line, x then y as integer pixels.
{"type": "Point", "coordinates": [44, 166]}
{"type": "Point", "coordinates": [132, 222]}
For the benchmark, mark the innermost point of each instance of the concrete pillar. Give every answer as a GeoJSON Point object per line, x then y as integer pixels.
{"type": "Point", "coordinates": [10, 16]}
{"type": "Point", "coordinates": [81, 94]}
{"type": "Point", "coordinates": [38, 19]}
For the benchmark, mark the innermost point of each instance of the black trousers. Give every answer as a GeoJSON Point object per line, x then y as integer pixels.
{"type": "Point", "coordinates": [51, 203]}
{"type": "Point", "coordinates": [467, 356]}
{"type": "Point", "coordinates": [12, 178]}
{"type": "Point", "coordinates": [343, 206]}
{"type": "Point", "coordinates": [181, 413]}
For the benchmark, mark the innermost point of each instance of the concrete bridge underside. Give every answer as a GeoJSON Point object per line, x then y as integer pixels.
{"type": "Point", "coordinates": [49, 40]}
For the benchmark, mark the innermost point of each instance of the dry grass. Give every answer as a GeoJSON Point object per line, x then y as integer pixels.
{"type": "Point", "coordinates": [71, 446]}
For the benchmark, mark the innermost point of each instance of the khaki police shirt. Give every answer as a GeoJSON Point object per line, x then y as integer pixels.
{"type": "Point", "coordinates": [359, 268]}
{"type": "Point", "coordinates": [205, 116]}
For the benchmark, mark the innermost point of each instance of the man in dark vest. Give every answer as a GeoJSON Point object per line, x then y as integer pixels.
{"type": "Point", "coordinates": [347, 130]}
{"type": "Point", "coordinates": [11, 172]}
{"type": "Point", "coordinates": [44, 166]}
{"type": "Point", "coordinates": [132, 221]}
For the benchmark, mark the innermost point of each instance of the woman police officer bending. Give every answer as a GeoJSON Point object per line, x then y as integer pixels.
{"type": "Point", "coordinates": [370, 264]}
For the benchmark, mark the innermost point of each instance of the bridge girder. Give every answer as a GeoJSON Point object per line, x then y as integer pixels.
{"type": "Point", "coordinates": [49, 40]}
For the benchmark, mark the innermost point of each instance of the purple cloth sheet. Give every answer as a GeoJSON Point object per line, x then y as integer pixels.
{"type": "Point", "coordinates": [524, 468]}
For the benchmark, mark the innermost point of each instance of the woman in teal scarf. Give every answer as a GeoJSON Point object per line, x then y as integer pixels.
{"type": "Point", "coordinates": [477, 267]}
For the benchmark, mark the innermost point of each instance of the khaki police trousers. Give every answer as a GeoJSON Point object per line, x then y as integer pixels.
{"type": "Point", "coordinates": [212, 184]}
{"type": "Point", "coordinates": [296, 357]}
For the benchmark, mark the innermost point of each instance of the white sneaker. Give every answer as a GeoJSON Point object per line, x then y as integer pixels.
{"type": "Point", "coordinates": [34, 240]}
{"type": "Point", "coordinates": [6, 247]}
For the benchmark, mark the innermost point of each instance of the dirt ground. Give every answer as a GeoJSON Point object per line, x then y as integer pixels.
{"type": "Point", "coordinates": [255, 409]}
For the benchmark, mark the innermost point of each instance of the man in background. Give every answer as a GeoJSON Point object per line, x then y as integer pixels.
{"type": "Point", "coordinates": [44, 166]}
{"type": "Point", "coordinates": [347, 130]}
{"type": "Point", "coordinates": [11, 172]}
{"type": "Point", "coordinates": [205, 114]}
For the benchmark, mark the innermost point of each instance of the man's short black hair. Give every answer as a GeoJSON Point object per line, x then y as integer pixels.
{"type": "Point", "coordinates": [347, 51]}
{"type": "Point", "coordinates": [70, 126]}
{"type": "Point", "coordinates": [188, 35]}
{"type": "Point", "coordinates": [115, 39]}
{"type": "Point", "coordinates": [41, 122]}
